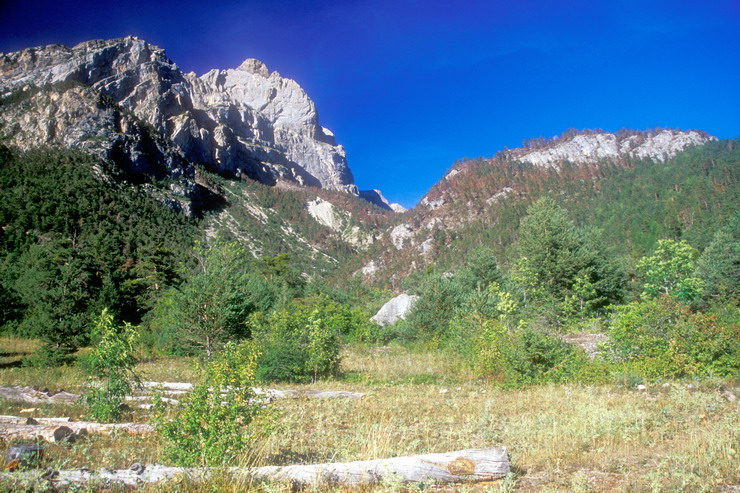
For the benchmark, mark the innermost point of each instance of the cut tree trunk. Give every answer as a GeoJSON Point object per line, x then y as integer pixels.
{"type": "Point", "coordinates": [34, 396]}
{"type": "Point", "coordinates": [180, 387]}
{"type": "Point", "coordinates": [57, 429]}
{"type": "Point", "coordinates": [463, 466]}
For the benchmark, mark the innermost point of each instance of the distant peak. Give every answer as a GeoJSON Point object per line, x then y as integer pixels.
{"type": "Point", "coordinates": [254, 66]}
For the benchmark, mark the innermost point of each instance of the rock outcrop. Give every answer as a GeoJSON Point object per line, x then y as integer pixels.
{"type": "Point", "coordinates": [594, 147]}
{"type": "Point", "coordinates": [246, 121]}
{"type": "Point", "coordinates": [394, 310]}
{"type": "Point", "coordinates": [376, 197]}
{"type": "Point", "coordinates": [339, 221]}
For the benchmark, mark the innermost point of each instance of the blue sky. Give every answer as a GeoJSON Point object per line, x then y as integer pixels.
{"type": "Point", "coordinates": [410, 86]}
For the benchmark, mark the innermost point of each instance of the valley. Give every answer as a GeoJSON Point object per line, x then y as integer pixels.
{"type": "Point", "coordinates": [574, 300]}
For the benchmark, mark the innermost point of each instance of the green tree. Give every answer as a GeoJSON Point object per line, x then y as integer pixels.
{"type": "Point", "coordinates": [213, 304]}
{"type": "Point", "coordinates": [55, 286]}
{"type": "Point", "coordinates": [213, 424]}
{"type": "Point", "coordinates": [561, 265]}
{"type": "Point", "coordinates": [110, 367]}
{"type": "Point", "coordinates": [719, 265]}
{"type": "Point", "coordinates": [300, 343]}
{"type": "Point", "coordinates": [670, 271]}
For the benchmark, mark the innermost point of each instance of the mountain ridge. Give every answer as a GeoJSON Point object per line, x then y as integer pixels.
{"type": "Point", "coordinates": [242, 122]}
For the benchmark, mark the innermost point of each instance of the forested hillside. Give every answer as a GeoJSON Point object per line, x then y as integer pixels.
{"type": "Point", "coordinates": [628, 203]}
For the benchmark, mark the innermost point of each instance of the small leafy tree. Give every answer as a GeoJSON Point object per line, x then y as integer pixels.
{"type": "Point", "coordinates": [214, 303]}
{"type": "Point", "coordinates": [670, 270]}
{"type": "Point", "coordinates": [110, 367]}
{"type": "Point", "coordinates": [299, 343]}
{"type": "Point", "coordinates": [211, 425]}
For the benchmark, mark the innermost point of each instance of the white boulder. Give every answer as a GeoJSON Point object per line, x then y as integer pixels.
{"type": "Point", "coordinates": [395, 309]}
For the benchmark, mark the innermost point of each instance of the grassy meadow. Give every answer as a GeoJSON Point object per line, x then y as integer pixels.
{"type": "Point", "coordinates": [676, 436]}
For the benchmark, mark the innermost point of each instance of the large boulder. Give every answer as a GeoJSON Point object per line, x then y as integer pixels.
{"type": "Point", "coordinates": [395, 309]}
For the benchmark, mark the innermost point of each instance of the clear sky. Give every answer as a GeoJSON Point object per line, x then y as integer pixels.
{"type": "Point", "coordinates": [410, 86]}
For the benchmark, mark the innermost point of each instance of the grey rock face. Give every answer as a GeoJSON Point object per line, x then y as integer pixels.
{"type": "Point", "coordinates": [395, 309]}
{"type": "Point", "coordinates": [77, 117]}
{"type": "Point", "coordinates": [244, 121]}
{"type": "Point", "coordinates": [591, 148]}
{"type": "Point", "coordinates": [376, 197]}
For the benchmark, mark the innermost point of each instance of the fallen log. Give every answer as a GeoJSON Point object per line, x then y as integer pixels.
{"type": "Point", "coordinates": [50, 433]}
{"type": "Point", "coordinates": [52, 430]}
{"type": "Point", "coordinates": [29, 394]}
{"type": "Point", "coordinates": [34, 396]}
{"type": "Point", "coordinates": [463, 466]}
{"type": "Point", "coordinates": [20, 420]}
{"type": "Point", "coordinates": [180, 387]}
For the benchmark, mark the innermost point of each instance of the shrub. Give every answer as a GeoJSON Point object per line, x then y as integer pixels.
{"type": "Point", "coordinates": [669, 271]}
{"type": "Point", "coordinates": [110, 366]}
{"type": "Point", "coordinates": [661, 338]}
{"type": "Point", "coordinates": [297, 343]}
{"type": "Point", "coordinates": [525, 356]}
{"type": "Point", "coordinates": [211, 426]}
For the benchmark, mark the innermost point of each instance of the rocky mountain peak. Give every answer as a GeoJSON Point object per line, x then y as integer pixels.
{"type": "Point", "coordinates": [254, 66]}
{"type": "Point", "coordinates": [244, 122]}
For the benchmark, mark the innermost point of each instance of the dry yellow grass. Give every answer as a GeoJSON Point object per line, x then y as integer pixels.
{"type": "Point", "coordinates": [561, 438]}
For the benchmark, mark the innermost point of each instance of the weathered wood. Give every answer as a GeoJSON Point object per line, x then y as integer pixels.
{"type": "Point", "coordinates": [464, 466]}
{"type": "Point", "coordinates": [20, 420]}
{"type": "Point", "coordinates": [180, 387]}
{"type": "Point", "coordinates": [29, 394]}
{"type": "Point", "coordinates": [50, 433]}
{"type": "Point", "coordinates": [52, 430]}
{"type": "Point", "coordinates": [34, 396]}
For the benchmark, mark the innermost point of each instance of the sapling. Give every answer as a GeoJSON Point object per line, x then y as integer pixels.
{"type": "Point", "coordinates": [110, 368]}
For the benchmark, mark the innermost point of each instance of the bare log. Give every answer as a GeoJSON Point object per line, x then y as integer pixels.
{"type": "Point", "coordinates": [181, 387]}
{"type": "Point", "coordinates": [29, 394]}
{"type": "Point", "coordinates": [20, 420]}
{"type": "Point", "coordinates": [50, 433]}
{"type": "Point", "coordinates": [52, 430]}
{"type": "Point", "coordinates": [34, 396]}
{"type": "Point", "coordinates": [463, 466]}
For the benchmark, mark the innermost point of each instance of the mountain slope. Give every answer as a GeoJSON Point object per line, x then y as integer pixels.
{"type": "Point", "coordinates": [634, 186]}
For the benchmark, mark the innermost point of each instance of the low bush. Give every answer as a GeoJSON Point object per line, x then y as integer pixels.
{"type": "Point", "coordinates": [211, 426]}
{"type": "Point", "coordinates": [523, 355]}
{"type": "Point", "coordinates": [110, 367]}
{"type": "Point", "coordinates": [661, 338]}
{"type": "Point", "coordinates": [299, 343]}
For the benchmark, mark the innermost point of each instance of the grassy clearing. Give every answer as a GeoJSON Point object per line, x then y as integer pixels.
{"type": "Point", "coordinates": [561, 438]}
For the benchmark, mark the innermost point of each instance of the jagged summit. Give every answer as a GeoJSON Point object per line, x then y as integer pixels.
{"type": "Point", "coordinates": [238, 122]}
{"type": "Point", "coordinates": [254, 66]}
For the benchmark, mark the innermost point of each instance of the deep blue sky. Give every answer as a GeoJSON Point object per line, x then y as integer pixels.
{"type": "Point", "coordinates": [410, 86]}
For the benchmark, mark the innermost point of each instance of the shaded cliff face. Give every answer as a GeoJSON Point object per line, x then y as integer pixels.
{"type": "Point", "coordinates": [241, 122]}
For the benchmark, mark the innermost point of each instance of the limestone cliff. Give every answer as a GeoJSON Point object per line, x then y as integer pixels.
{"type": "Point", "coordinates": [592, 147]}
{"type": "Point", "coordinates": [246, 121]}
